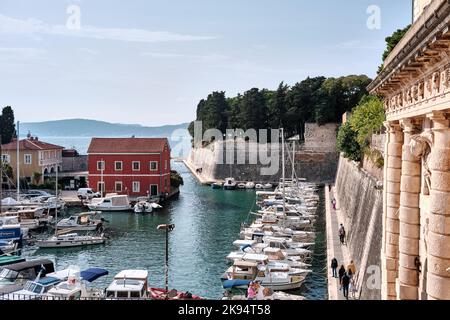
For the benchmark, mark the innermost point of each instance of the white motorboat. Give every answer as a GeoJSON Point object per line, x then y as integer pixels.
{"type": "Point", "coordinates": [241, 186]}
{"type": "Point", "coordinates": [81, 222]}
{"type": "Point", "coordinates": [259, 186]}
{"type": "Point", "coordinates": [268, 186]}
{"type": "Point", "coordinates": [230, 184]}
{"type": "Point", "coordinates": [69, 241]}
{"type": "Point", "coordinates": [143, 207]}
{"type": "Point", "coordinates": [111, 203]}
{"type": "Point", "coordinates": [250, 185]}
{"type": "Point", "coordinates": [49, 203]}
{"type": "Point", "coordinates": [129, 284]}
{"type": "Point", "coordinates": [75, 287]}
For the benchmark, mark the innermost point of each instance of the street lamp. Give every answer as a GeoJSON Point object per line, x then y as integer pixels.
{"type": "Point", "coordinates": [168, 228]}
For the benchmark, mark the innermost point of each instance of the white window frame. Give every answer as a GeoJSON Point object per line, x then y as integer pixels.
{"type": "Point", "coordinates": [157, 189]}
{"type": "Point", "coordinates": [132, 166]}
{"type": "Point", "coordinates": [118, 183]}
{"type": "Point", "coordinates": [151, 162]}
{"type": "Point", "coordinates": [6, 158]}
{"type": "Point", "coordinates": [103, 165]}
{"type": "Point", "coordinates": [121, 166]}
{"type": "Point", "coordinates": [28, 156]}
{"type": "Point", "coordinates": [136, 184]}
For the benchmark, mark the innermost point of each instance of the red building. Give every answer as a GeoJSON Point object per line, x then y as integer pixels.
{"type": "Point", "coordinates": [132, 166]}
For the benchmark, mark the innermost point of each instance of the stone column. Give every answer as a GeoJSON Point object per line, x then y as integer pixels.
{"type": "Point", "coordinates": [438, 238]}
{"type": "Point", "coordinates": [408, 277]}
{"type": "Point", "coordinates": [390, 254]}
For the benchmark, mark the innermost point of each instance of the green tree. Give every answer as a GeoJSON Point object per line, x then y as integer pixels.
{"type": "Point", "coordinates": [346, 142]}
{"type": "Point", "coordinates": [213, 112]}
{"type": "Point", "coordinates": [234, 112]}
{"type": "Point", "coordinates": [391, 42]}
{"type": "Point", "coordinates": [277, 107]}
{"type": "Point", "coordinates": [176, 180]}
{"type": "Point", "coordinates": [7, 126]}
{"type": "Point", "coordinates": [253, 110]}
{"type": "Point", "coordinates": [367, 118]}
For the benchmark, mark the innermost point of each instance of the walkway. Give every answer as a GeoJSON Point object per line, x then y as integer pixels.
{"type": "Point", "coordinates": [334, 247]}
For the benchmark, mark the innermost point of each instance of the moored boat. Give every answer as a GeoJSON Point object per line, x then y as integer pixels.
{"type": "Point", "coordinates": [112, 202]}
{"type": "Point", "coordinates": [162, 294]}
{"type": "Point", "coordinates": [230, 184]}
{"type": "Point", "coordinates": [69, 241]}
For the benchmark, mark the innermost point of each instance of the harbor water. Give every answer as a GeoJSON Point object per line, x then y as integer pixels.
{"type": "Point", "coordinates": [206, 222]}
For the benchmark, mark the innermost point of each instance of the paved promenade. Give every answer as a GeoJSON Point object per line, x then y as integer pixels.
{"type": "Point", "coordinates": [334, 247]}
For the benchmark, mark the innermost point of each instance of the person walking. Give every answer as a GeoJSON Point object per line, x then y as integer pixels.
{"type": "Point", "coordinates": [351, 269]}
{"type": "Point", "coordinates": [342, 234]}
{"type": "Point", "coordinates": [341, 275]}
{"type": "Point", "coordinates": [251, 292]}
{"type": "Point", "coordinates": [345, 285]}
{"type": "Point", "coordinates": [333, 202]}
{"type": "Point", "coordinates": [334, 266]}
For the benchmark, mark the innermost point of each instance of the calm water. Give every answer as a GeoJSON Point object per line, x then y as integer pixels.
{"type": "Point", "coordinates": [206, 224]}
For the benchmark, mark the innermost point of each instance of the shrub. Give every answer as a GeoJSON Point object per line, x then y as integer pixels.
{"type": "Point", "coordinates": [176, 180]}
{"type": "Point", "coordinates": [346, 142]}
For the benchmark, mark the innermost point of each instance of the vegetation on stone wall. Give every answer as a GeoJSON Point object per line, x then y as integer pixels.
{"type": "Point", "coordinates": [318, 99]}
{"type": "Point", "coordinates": [176, 180]}
{"type": "Point", "coordinates": [354, 136]}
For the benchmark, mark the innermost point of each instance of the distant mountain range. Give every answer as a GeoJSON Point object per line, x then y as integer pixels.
{"type": "Point", "coordinates": [94, 128]}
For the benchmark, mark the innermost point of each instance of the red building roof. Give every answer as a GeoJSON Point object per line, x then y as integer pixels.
{"type": "Point", "coordinates": [30, 144]}
{"type": "Point", "coordinates": [127, 145]}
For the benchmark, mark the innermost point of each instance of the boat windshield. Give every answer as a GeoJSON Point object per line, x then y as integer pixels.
{"type": "Point", "coordinates": [34, 287]}
{"type": "Point", "coordinates": [7, 274]}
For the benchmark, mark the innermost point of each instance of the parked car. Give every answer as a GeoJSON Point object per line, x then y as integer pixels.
{"type": "Point", "coordinates": [88, 193]}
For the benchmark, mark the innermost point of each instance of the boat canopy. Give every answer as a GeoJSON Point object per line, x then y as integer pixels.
{"type": "Point", "coordinates": [48, 265]}
{"type": "Point", "coordinates": [132, 274]}
{"type": "Point", "coordinates": [7, 260]}
{"type": "Point", "coordinates": [48, 281]}
{"type": "Point", "coordinates": [9, 202]}
{"type": "Point", "coordinates": [93, 274]}
{"type": "Point", "coordinates": [229, 284]}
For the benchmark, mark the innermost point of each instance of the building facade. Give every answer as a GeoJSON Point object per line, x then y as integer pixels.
{"type": "Point", "coordinates": [132, 166]}
{"type": "Point", "coordinates": [35, 157]}
{"type": "Point", "coordinates": [415, 86]}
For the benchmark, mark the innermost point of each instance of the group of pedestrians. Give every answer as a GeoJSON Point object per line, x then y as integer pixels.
{"type": "Point", "coordinates": [346, 277]}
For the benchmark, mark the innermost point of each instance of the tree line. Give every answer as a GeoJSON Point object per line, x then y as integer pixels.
{"type": "Point", "coordinates": [319, 99]}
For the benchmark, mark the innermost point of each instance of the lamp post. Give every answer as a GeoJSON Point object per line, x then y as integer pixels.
{"type": "Point", "coordinates": [167, 228]}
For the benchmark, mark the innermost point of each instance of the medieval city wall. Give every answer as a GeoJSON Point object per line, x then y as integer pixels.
{"type": "Point", "coordinates": [362, 204]}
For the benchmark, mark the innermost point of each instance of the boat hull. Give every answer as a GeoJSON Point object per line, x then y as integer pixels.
{"type": "Point", "coordinates": [109, 209]}
{"type": "Point", "coordinates": [68, 244]}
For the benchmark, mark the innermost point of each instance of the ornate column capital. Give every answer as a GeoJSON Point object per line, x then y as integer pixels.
{"type": "Point", "coordinates": [392, 126]}
{"type": "Point", "coordinates": [441, 120]}
{"type": "Point", "coordinates": [411, 125]}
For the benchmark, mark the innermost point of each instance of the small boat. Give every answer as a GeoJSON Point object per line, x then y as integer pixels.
{"type": "Point", "coordinates": [14, 276]}
{"type": "Point", "coordinates": [75, 287]}
{"type": "Point", "coordinates": [259, 186]}
{"type": "Point", "coordinates": [33, 290]}
{"type": "Point", "coordinates": [10, 229]}
{"type": "Point", "coordinates": [241, 186]}
{"type": "Point", "coordinates": [112, 202]}
{"type": "Point", "coordinates": [250, 185]}
{"type": "Point", "coordinates": [162, 294]}
{"type": "Point", "coordinates": [69, 241]}
{"type": "Point", "coordinates": [217, 185]}
{"type": "Point", "coordinates": [7, 247]}
{"type": "Point", "coordinates": [81, 222]}
{"type": "Point", "coordinates": [143, 207]}
{"type": "Point", "coordinates": [268, 186]}
{"type": "Point", "coordinates": [230, 184]}
{"type": "Point", "coordinates": [129, 284]}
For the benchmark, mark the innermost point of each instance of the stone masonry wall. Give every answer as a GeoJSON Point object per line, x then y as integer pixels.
{"type": "Point", "coordinates": [363, 205]}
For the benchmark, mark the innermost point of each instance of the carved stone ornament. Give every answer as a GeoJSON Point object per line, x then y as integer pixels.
{"type": "Point", "coordinates": [420, 147]}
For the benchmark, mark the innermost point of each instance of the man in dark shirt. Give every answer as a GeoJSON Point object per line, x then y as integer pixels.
{"type": "Point", "coordinates": [345, 285]}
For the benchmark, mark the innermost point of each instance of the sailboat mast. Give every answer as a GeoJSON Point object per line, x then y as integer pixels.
{"type": "Point", "coordinates": [18, 160]}
{"type": "Point", "coordinates": [284, 174]}
{"type": "Point", "coordinates": [56, 204]}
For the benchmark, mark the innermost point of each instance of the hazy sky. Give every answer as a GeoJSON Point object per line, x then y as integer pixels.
{"type": "Point", "coordinates": [150, 62]}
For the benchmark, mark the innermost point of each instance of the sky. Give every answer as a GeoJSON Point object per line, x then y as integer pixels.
{"type": "Point", "coordinates": [150, 62]}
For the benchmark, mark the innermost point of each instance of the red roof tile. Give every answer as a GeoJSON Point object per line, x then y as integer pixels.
{"type": "Point", "coordinates": [30, 144]}
{"type": "Point", "coordinates": [127, 145]}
